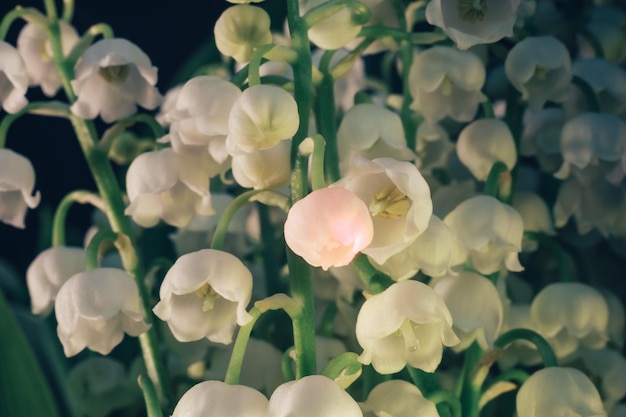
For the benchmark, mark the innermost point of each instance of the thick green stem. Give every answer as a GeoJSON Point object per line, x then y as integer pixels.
{"type": "Point", "coordinates": [254, 66]}
{"type": "Point", "coordinates": [546, 352]}
{"type": "Point", "coordinates": [318, 180]}
{"type": "Point", "coordinates": [446, 397]}
{"type": "Point", "coordinates": [327, 123]}
{"type": "Point", "coordinates": [153, 408]}
{"type": "Point", "coordinates": [375, 280]}
{"type": "Point", "coordinates": [17, 13]}
{"type": "Point", "coordinates": [239, 349]}
{"type": "Point", "coordinates": [78, 196]}
{"type": "Point", "coordinates": [469, 391]}
{"type": "Point", "coordinates": [408, 123]}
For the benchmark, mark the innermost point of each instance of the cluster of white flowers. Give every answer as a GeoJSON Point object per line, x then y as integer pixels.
{"type": "Point", "coordinates": [461, 210]}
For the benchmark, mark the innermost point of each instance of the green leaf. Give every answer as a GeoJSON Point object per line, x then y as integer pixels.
{"type": "Point", "coordinates": [23, 388]}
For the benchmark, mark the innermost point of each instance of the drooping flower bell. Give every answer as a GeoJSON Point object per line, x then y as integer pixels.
{"type": "Point", "coordinates": [240, 29]}
{"type": "Point", "coordinates": [13, 79]}
{"type": "Point", "coordinates": [343, 227]}
{"type": "Point", "coordinates": [17, 180]}
{"type": "Point", "coordinates": [205, 294]}
{"type": "Point", "coordinates": [112, 77]}
{"type": "Point", "coordinates": [397, 398]}
{"type": "Point", "coordinates": [473, 22]}
{"type": "Point", "coordinates": [408, 323]}
{"type": "Point", "coordinates": [266, 168]}
{"type": "Point", "coordinates": [95, 308]}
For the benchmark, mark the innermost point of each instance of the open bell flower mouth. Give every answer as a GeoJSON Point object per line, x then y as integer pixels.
{"type": "Point", "coordinates": [17, 180]}
{"type": "Point", "coordinates": [205, 294]}
{"type": "Point", "coordinates": [112, 77]}
{"type": "Point", "coordinates": [328, 227]}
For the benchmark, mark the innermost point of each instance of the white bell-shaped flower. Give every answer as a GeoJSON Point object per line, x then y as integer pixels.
{"type": "Point", "coordinates": [569, 314]}
{"type": "Point", "coordinates": [535, 216]}
{"type": "Point", "coordinates": [610, 367]}
{"type": "Point", "coordinates": [168, 186]}
{"type": "Point", "coordinates": [333, 32]}
{"type": "Point", "coordinates": [95, 308]}
{"type": "Point", "coordinates": [13, 79]}
{"type": "Point", "coordinates": [447, 82]}
{"type": "Point", "coordinates": [265, 168]}
{"type": "Point", "coordinates": [617, 318]}
{"type": "Point", "coordinates": [589, 137]}
{"type": "Point", "coordinates": [539, 68]}
{"type": "Point", "coordinates": [312, 396]}
{"type": "Point", "coordinates": [48, 272]}
{"type": "Point", "coordinates": [491, 231]}
{"type": "Point", "coordinates": [408, 323]}
{"type": "Point", "coordinates": [473, 22]}
{"type": "Point", "coordinates": [397, 398]}
{"type": "Point", "coordinates": [199, 116]}
{"type": "Point", "coordinates": [99, 385]}
{"type": "Point", "coordinates": [434, 252]}
{"type": "Point", "coordinates": [542, 137]}
{"type": "Point", "coordinates": [240, 29]}
{"type": "Point", "coordinates": [606, 79]}
{"type": "Point", "coordinates": [370, 131]}
{"type": "Point", "coordinates": [205, 294]}
{"type": "Point", "coordinates": [484, 142]}
{"type": "Point", "coordinates": [17, 180]}
{"type": "Point", "coordinates": [398, 199]}
{"type": "Point", "coordinates": [261, 117]}
{"type": "Point", "coordinates": [343, 227]}
{"type": "Point", "coordinates": [217, 399]}
{"type": "Point", "coordinates": [112, 77]}
{"type": "Point", "coordinates": [557, 391]}
{"type": "Point", "coordinates": [475, 306]}
{"type": "Point", "coordinates": [33, 44]}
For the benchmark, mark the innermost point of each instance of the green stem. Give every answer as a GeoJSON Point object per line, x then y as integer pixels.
{"type": "Point", "coordinates": [380, 32]}
{"type": "Point", "coordinates": [346, 363]}
{"type": "Point", "coordinates": [446, 397]}
{"type": "Point", "coordinates": [469, 390]}
{"type": "Point", "coordinates": [375, 280]}
{"type": "Point", "coordinates": [20, 12]}
{"type": "Point", "coordinates": [68, 10]}
{"type": "Point", "coordinates": [318, 180]}
{"type": "Point", "coordinates": [425, 381]}
{"type": "Point", "coordinates": [360, 13]}
{"type": "Point", "coordinates": [592, 99]}
{"type": "Point", "coordinates": [52, 108]}
{"type": "Point", "coordinates": [286, 365]}
{"type": "Point", "coordinates": [119, 127]}
{"type": "Point", "coordinates": [494, 184]}
{"type": "Point", "coordinates": [93, 249]}
{"type": "Point", "coordinates": [327, 322]}
{"type": "Point", "coordinates": [222, 227]}
{"type": "Point", "coordinates": [327, 123]}
{"type": "Point", "coordinates": [487, 109]}
{"type": "Point", "coordinates": [239, 349]}
{"type": "Point", "coordinates": [341, 67]}
{"type": "Point", "coordinates": [565, 272]}
{"type": "Point", "coordinates": [254, 66]}
{"type": "Point", "coordinates": [546, 352]}
{"type": "Point", "coordinates": [78, 196]}
{"type": "Point", "coordinates": [408, 123]}
{"type": "Point", "coordinates": [150, 397]}
{"type": "Point", "coordinates": [269, 250]}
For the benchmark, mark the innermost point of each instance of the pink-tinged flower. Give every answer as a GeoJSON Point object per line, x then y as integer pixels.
{"type": "Point", "coordinates": [329, 227]}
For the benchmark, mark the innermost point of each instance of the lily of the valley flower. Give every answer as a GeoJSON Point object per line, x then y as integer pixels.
{"type": "Point", "coordinates": [112, 77]}
{"type": "Point", "coordinates": [408, 323]}
{"type": "Point", "coordinates": [540, 68]}
{"type": "Point", "coordinates": [335, 31]}
{"type": "Point", "coordinates": [398, 199]}
{"type": "Point", "coordinates": [48, 272]}
{"type": "Point", "coordinates": [217, 399]}
{"type": "Point", "coordinates": [558, 391]}
{"type": "Point", "coordinates": [397, 398]}
{"type": "Point", "coordinates": [472, 22]}
{"type": "Point", "coordinates": [447, 82]}
{"type": "Point", "coordinates": [17, 180]}
{"type": "Point", "coordinates": [265, 168]}
{"type": "Point", "coordinates": [13, 79]}
{"type": "Point", "coordinates": [205, 294]}
{"type": "Point", "coordinates": [312, 396]}
{"type": "Point", "coordinates": [261, 117]}
{"type": "Point", "coordinates": [341, 229]}
{"type": "Point", "coordinates": [240, 29]}
{"type": "Point", "coordinates": [95, 308]}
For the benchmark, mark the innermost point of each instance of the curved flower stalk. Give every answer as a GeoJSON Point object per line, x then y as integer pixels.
{"type": "Point", "coordinates": [408, 323]}
{"type": "Point", "coordinates": [343, 227]}
{"type": "Point", "coordinates": [559, 391]}
{"type": "Point", "coordinates": [33, 44]}
{"type": "Point", "coordinates": [13, 79]}
{"type": "Point", "coordinates": [446, 82]}
{"type": "Point", "coordinates": [178, 192]}
{"type": "Point", "coordinates": [397, 398]}
{"type": "Point", "coordinates": [17, 181]}
{"type": "Point", "coordinates": [217, 399]}
{"type": "Point", "coordinates": [473, 22]}
{"type": "Point", "coordinates": [48, 272]}
{"type": "Point", "coordinates": [205, 294]}
{"type": "Point", "coordinates": [112, 77]}
{"type": "Point", "coordinates": [540, 68]}
{"type": "Point", "coordinates": [475, 306]}
{"type": "Point", "coordinates": [484, 142]}
{"type": "Point", "coordinates": [517, 316]}
{"type": "Point", "coordinates": [491, 231]}
{"type": "Point", "coordinates": [99, 385]}
{"type": "Point", "coordinates": [240, 29]}
{"type": "Point", "coordinates": [95, 308]}
{"type": "Point", "coordinates": [199, 115]}
{"type": "Point", "coordinates": [398, 199]}
{"type": "Point", "coordinates": [260, 118]}
{"type": "Point", "coordinates": [370, 131]}
{"type": "Point", "coordinates": [312, 396]}
{"type": "Point", "coordinates": [560, 313]}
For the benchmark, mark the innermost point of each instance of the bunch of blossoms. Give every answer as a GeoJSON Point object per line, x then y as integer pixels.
{"type": "Point", "coordinates": [347, 244]}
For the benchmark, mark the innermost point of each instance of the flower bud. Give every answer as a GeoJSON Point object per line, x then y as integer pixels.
{"type": "Point", "coordinates": [240, 29]}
